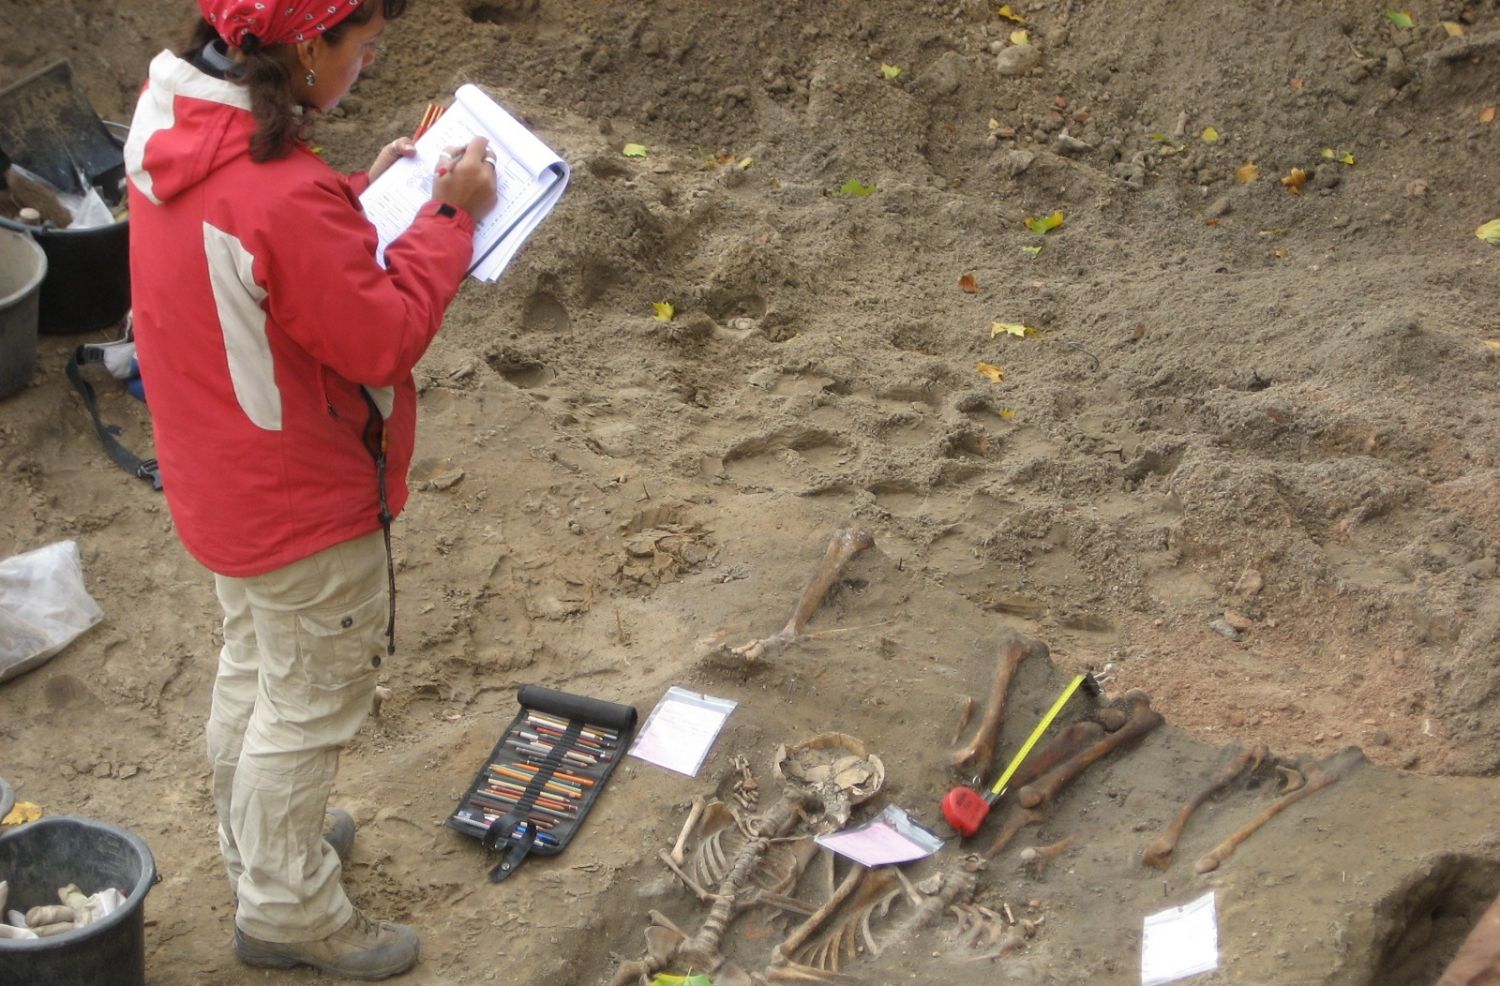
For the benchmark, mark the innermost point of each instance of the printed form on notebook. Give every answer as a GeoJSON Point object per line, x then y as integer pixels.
{"type": "Point", "coordinates": [531, 179]}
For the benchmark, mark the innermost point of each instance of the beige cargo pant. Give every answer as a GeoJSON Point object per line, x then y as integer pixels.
{"type": "Point", "coordinates": [295, 680]}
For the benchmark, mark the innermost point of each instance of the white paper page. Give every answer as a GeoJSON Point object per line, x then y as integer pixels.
{"type": "Point", "coordinates": [1180, 942]}
{"type": "Point", "coordinates": [490, 267]}
{"type": "Point", "coordinates": [521, 170]}
{"type": "Point", "coordinates": [890, 837]}
{"type": "Point", "coordinates": [679, 731]}
{"type": "Point", "coordinates": [525, 147]}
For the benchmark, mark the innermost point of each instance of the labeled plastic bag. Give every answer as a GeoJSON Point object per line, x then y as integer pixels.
{"type": "Point", "coordinates": [43, 606]}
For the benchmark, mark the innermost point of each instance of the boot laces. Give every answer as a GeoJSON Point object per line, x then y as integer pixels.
{"type": "Point", "coordinates": [364, 927]}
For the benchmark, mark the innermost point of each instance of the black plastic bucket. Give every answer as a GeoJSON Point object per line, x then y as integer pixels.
{"type": "Point", "coordinates": [88, 271]}
{"type": "Point", "coordinates": [41, 856]}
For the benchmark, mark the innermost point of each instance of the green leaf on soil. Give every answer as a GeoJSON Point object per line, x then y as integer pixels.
{"type": "Point", "coordinates": [856, 187]}
{"type": "Point", "coordinates": [990, 370]}
{"type": "Point", "coordinates": [1489, 232]}
{"type": "Point", "coordinates": [1400, 18]}
{"type": "Point", "coordinates": [665, 311]}
{"type": "Point", "coordinates": [1011, 328]}
{"type": "Point", "coordinates": [1046, 224]}
{"type": "Point", "coordinates": [1010, 15]}
{"type": "Point", "coordinates": [634, 150]}
{"type": "Point", "coordinates": [1210, 135]}
{"type": "Point", "coordinates": [1032, 251]}
{"type": "Point", "coordinates": [890, 71]}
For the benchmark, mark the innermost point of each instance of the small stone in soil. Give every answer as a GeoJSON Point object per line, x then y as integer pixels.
{"type": "Point", "coordinates": [1221, 626]}
{"type": "Point", "coordinates": [1237, 620]}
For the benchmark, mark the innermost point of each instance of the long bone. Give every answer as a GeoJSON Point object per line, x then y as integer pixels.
{"type": "Point", "coordinates": [851, 932]}
{"type": "Point", "coordinates": [1142, 720]}
{"type": "Point", "coordinates": [1063, 746]}
{"type": "Point", "coordinates": [843, 546]}
{"type": "Point", "coordinates": [1034, 800]}
{"type": "Point", "coordinates": [1318, 776]}
{"type": "Point", "coordinates": [1246, 761]}
{"type": "Point", "coordinates": [804, 931]}
{"type": "Point", "coordinates": [977, 753]}
{"type": "Point", "coordinates": [1037, 858]}
{"type": "Point", "coordinates": [1015, 820]}
{"type": "Point", "coordinates": [694, 813]}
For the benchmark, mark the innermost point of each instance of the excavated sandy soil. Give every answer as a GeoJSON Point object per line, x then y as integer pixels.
{"type": "Point", "coordinates": [1240, 404]}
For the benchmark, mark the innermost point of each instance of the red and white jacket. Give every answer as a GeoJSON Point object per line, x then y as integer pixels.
{"type": "Point", "coordinates": [262, 320]}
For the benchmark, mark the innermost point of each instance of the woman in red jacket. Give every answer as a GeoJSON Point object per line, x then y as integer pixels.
{"type": "Point", "coordinates": [278, 355]}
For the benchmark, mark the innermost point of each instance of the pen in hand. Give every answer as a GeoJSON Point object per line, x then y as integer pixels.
{"type": "Point", "coordinates": [465, 177]}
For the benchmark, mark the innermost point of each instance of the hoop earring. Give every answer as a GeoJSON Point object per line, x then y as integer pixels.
{"type": "Point", "coordinates": [310, 79]}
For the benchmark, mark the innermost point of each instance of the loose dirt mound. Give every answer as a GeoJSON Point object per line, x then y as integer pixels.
{"type": "Point", "coordinates": [1249, 457]}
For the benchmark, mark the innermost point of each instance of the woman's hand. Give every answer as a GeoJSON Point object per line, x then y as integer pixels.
{"type": "Point", "coordinates": [389, 154]}
{"type": "Point", "coordinates": [465, 178]}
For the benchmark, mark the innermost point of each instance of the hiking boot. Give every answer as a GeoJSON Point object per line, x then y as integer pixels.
{"type": "Point", "coordinates": [361, 949]}
{"type": "Point", "coordinates": [338, 832]}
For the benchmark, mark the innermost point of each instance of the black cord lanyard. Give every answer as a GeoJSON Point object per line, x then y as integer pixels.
{"type": "Point", "coordinates": [376, 442]}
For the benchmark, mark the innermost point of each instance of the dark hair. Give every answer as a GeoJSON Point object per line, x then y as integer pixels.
{"type": "Point", "coordinates": [267, 74]}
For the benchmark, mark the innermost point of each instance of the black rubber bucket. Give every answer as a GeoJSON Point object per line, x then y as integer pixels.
{"type": "Point", "coordinates": [38, 858]}
{"type": "Point", "coordinates": [87, 287]}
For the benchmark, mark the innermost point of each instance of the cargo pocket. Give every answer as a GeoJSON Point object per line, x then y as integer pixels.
{"type": "Point", "coordinates": [342, 647]}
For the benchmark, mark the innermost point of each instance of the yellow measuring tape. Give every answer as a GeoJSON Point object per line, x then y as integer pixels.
{"type": "Point", "coordinates": [1036, 734]}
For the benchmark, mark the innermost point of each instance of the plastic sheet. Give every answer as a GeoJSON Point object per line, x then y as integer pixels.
{"type": "Point", "coordinates": [43, 606]}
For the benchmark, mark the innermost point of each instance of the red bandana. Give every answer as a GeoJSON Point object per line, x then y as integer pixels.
{"type": "Point", "coordinates": [274, 22]}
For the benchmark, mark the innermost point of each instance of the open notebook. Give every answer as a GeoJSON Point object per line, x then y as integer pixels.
{"type": "Point", "coordinates": [531, 178]}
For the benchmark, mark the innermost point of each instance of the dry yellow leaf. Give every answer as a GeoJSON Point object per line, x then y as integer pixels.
{"type": "Point", "coordinates": [1294, 180]}
{"type": "Point", "coordinates": [1020, 37]}
{"type": "Point", "coordinates": [1246, 173]}
{"type": "Point", "coordinates": [1210, 135]}
{"type": "Point", "coordinates": [1007, 413]}
{"type": "Point", "coordinates": [21, 813]}
{"type": "Point", "coordinates": [1010, 14]}
{"type": "Point", "coordinates": [1454, 29]}
{"type": "Point", "coordinates": [1493, 344]}
{"type": "Point", "coordinates": [665, 311]}
{"type": "Point", "coordinates": [1489, 232]}
{"type": "Point", "coordinates": [990, 370]}
{"type": "Point", "coordinates": [1011, 328]}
